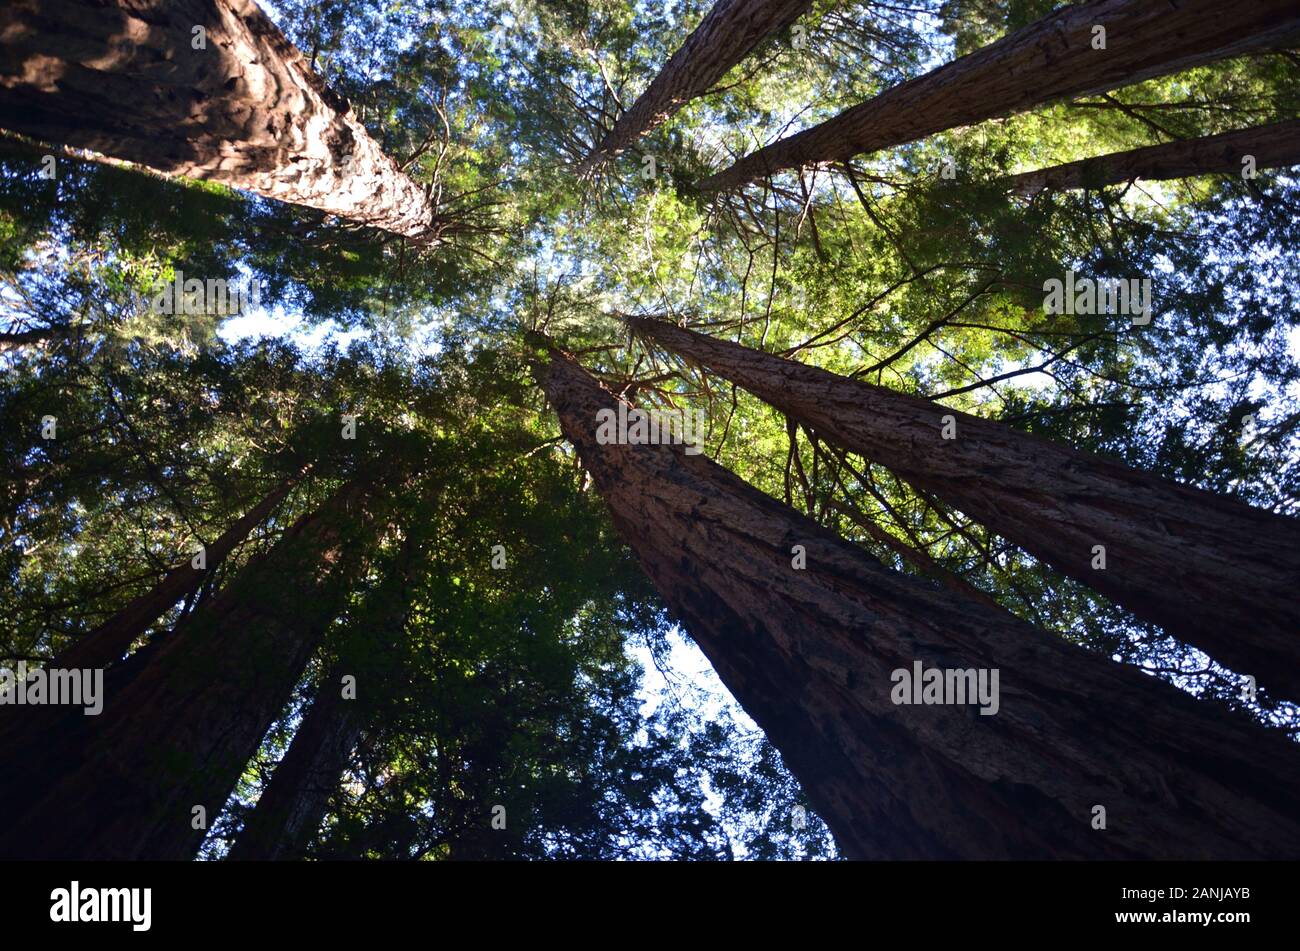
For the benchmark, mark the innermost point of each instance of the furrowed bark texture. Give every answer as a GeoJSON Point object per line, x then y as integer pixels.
{"type": "Point", "coordinates": [180, 723]}
{"type": "Point", "coordinates": [1272, 146]}
{"type": "Point", "coordinates": [1046, 60]}
{"type": "Point", "coordinates": [726, 35]}
{"type": "Point", "coordinates": [809, 655]}
{"type": "Point", "coordinates": [291, 807]}
{"type": "Point", "coordinates": [107, 643]}
{"type": "Point", "coordinates": [122, 78]}
{"type": "Point", "coordinates": [1210, 570]}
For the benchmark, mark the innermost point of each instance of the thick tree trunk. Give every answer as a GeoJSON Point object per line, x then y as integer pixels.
{"type": "Point", "coordinates": [1210, 570]}
{"type": "Point", "coordinates": [1271, 146]}
{"type": "Point", "coordinates": [107, 643]}
{"type": "Point", "coordinates": [123, 78]}
{"type": "Point", "coordinates": [810, 654]}
{"type": "Point", "coordinates": [179, 726]}
{"type": "Point", "coordinates": [726, 35]}
{"type": "Point", "coordinates": [1047, 60]}
{"type": "Point", "coordinates": [291, 807]}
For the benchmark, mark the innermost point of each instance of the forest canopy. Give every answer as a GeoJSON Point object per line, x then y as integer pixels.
{"type": "Point", "coordinates": [970, 330]}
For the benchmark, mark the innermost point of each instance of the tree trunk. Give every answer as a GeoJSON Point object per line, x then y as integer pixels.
{"type": "Point", "coordinates": [726, 35]}
{"type": "Point", "coordinates": [1047, 60]}
{"type": "Point", "coordinates": [1271, 146]}
{"type": "Point", "coordinates": [810, 654]}
{"type": "Point", "coordinates": [123, 78]}
{"type": "Point", "coordinates": [293, 803]}
{"type": "Point", "coordinates": [1210, 570]}
{"type": "Point", "coordinates": [107, 643]}
{"type": "Point", "coordinates": [179, 726]}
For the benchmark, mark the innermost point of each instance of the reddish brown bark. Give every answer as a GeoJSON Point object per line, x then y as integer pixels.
{"type": "Point", "coordinates": [107, 643]}
{"type": "Point", "coordinates": [179, 725]}
{"type": "Point", "coordinates": [1272, 146]}
{"type": "Point", "coordinates": [810, 654]}
{"type": "Point", "coordinates": [1046, 60]}
{"type": "Point", "coordinates": [1210, 570]}
{"type": "Point", "coordinates": [726, 35]}
{"type": "Point", "coordinates": [122, 78]}
{"type": "Point", "coordinates": [291, 807]}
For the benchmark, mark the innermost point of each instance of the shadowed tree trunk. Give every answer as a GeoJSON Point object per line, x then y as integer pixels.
{"type": "Point", "coordinates": [291, 807]}
{"type": "Point", "coordinates": [107, 643]}
{"type": "Point", "coordinates": [1271, 146]}
{"type": "Point", "coordinates": [206, 89]}
{"type": "Point", "coordinates": [1210, 570]}
{"type": "Point", "coordinates": [810, 654]}
{"type": "Point", "coordinates": [1047, 60]}
{"type": "Point", "coordinates": [179, 725]}
{"type": "Point", "coordinates": [726, 35]}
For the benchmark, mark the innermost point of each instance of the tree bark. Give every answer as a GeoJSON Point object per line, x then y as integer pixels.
{"type": "Point", "coordinates": [179, 726]}
{"type": "Point", "coordinates": [123, 78]}
{"type": "Point", "coordinates": [1046, 60]}
{"type": "Point", "coordinates": [1272, 146]}
{"type": "Point", "coordinates": [726, 35]}
{"type": "Point", "coordinates": [107, 643]}
{"type": "Point", "coordinates": [1210, 570]}
{"type": "Point", "coordinates": [810, 653]}
{"type": "Point", "coordinates": [291, 807]}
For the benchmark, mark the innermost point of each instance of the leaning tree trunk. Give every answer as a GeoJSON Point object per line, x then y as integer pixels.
{"type": "Point", "coordinates": [810, 654]}
{"type": "Point", "coordinates": [1210, 570]}
{"type": "Point", "coordinates": [107, 643]}
{"type": "Point", "coordinates": [1050, 59]}
{"type": "Point", "coordinates": [291, 807]}
{"type": "Point", "coordinates": [179, 726]}
{"type": "Point", "coordinates": [1270, 146]}
{"type": "Point", "coordinates": [726, 35]}
{"type": "Point", "coordinates": [207, 89]}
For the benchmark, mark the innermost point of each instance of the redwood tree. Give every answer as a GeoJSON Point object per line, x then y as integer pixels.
{"type": "Point", "coordinates": [181, 720]}
{"type": "Point", "coordinates": [1194, 562]}
{"type": "Point", "coordinates": [810, 653]}
{"type": "Point", "coordinates": [207, 89]}
{"type": "Point", "coordinates": [724, 37]}
{"type": "Point", "coordinates": [107, 643]}
{"type": "Point", "coordinates": [1055, 57]}
{"type": "Point", "coordinates": [1270, 146]}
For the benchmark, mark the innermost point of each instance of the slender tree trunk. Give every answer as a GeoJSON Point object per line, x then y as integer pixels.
{"type": "Point", "coordinates": [179, 726]}
{"type": "Point", "coordinates": [726, 35]}
{"type": "Point", "coordinates": [206, 89]}
{"type": "Point", "coordinates": [810, 654]}
{"type": "Point", "coordinates": [1210, 570]}
{"type": "Point", "coordinates": [1047, 60]}
{"type": "Point", "coordinates": [107, 643]}
{"type": "Point", "coordinates": [291, 807]}
{"type": "Point", "coordinates": [1271, 146]}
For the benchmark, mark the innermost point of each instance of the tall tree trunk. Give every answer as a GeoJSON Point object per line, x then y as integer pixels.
{"type": "Point", "coordinates": [726, 35]}
{"type": "Point", "coordinates": [1271, 146]}
{"type": "Point", "coordinates": [179, 726]}
{"type": "Point", "coordinates": [1210, 570]}
{"type": "Point", "coordinates": [107, 643]}
{"type": "Point", "coordinates": [1047, 60]}
{"type": "Point", "coordinates": [124, 78]}
{"type": "Point", "coordinates": [291, 807]}
{"type": "Point", "coordinates": [810, 654]}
